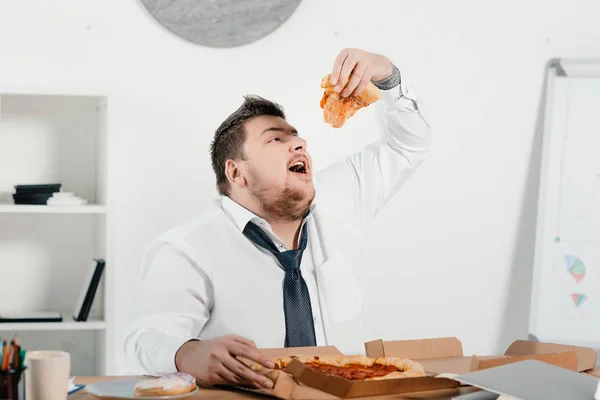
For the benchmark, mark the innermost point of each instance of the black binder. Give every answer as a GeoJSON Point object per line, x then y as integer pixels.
{"type": "Point", "coordinates": [33, 316]}
{"type": "Point", "coordinates": [84, 304]}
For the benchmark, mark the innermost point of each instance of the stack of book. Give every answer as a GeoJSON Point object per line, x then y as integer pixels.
{"type": "Point", "coordinates": [35, 194]}
{"type": "Point", "coordinates": [46, 194]}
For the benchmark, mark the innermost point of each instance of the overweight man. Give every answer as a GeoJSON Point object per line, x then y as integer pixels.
{"type": "Point", "coordinates": [273, 261]}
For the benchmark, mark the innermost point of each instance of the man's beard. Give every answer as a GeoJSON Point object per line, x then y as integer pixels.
{"type": "Point", "coordinates": [287, 206]}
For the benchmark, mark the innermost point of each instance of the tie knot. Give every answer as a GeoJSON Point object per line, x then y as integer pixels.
{"type": "Point", "coordinates": [289, 259]}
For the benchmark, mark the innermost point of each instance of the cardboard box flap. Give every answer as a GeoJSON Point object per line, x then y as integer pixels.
{"type": "Point", "coordinates": [420, 349]}
{"type": "Point", "coordinates": [595, 372]}
{"type": "Point", "coordinates": [300, 351]}
{"type": "Point", "coordinates": [586, 356]}
{"type": "Point", "coordinates": [463, 365]}
{"type": "Point", "coordinates": [567, 360]}
{"type": "Point", "coordinates": [455, 365]}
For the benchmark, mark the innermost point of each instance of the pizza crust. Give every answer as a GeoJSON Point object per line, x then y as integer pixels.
{"type": "Point", "coordinates": [259, 369]}
{"type": "Point", "coordinates": [407, 368]}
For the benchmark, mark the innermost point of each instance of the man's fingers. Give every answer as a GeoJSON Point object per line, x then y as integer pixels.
{"type": "Point", "coordinates": [245, 373]}
{"type": "Point", "coordinates": [362, 85]}
{"type": "Point", "coordinates": [215, 379]}
{"type": "Point", "coordinates": [227, 376]}
{"type": "Point", "coordinates": [251, 353]}
{"type": "Point", "coordinates": [347, 68]}
{"type": "Point", "coordinates": [243, 340]}
{"type": "Point", "coordinates": [355, 80]}
{"type": "Point", "coordinates": [337, 66]}
{"type": "Point", "coordinates": [232, 378]}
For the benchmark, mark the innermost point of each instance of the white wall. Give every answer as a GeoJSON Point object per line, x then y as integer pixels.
{"type": "Point", "coordinates": [453, 251]}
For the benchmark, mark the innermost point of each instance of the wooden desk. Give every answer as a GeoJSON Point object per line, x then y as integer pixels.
{"type": "Point", "coordinates": [242, 395]}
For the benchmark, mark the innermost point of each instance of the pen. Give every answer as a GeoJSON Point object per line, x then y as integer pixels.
{"type": "Point", "coordinates": [11, 355]}
{"type": "Point", "coordinates": [22, 357]}
{"type": "Point", "coordinates": [77, 389]}
{"type": "Point", "coordinates": [9, 352]}
{"type": "Point", "coordinates": [4, 354]}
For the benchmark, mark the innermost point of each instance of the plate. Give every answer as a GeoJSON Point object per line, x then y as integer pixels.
{"type": "Point", "coordinates": [123, 389]}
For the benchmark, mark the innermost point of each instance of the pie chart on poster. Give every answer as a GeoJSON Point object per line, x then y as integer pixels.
{"type": "Point", "coordinates": [221, 23]}
{"type": "Point", "coordinates": [569, 270]}
{"type": "Point", "coordinates": [577, 305]}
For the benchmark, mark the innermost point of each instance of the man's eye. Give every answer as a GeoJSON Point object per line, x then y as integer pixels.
{"type": "Point", "coordinates": [275, 139]}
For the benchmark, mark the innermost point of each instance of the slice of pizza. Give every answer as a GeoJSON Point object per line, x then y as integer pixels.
{"type": "Point", "coordinates": [337, 109]}
{"type": "Point", "coordinates": [358, 368]}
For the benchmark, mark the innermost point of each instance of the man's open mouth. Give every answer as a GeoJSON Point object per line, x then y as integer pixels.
{"type": "Point", "coordinates": [299, 167]}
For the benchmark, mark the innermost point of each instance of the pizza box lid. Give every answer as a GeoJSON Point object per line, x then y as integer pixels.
{"type": "Point", "coordinates": [586, 356]}
{"type": "Point", "coordinates": [445, 355]}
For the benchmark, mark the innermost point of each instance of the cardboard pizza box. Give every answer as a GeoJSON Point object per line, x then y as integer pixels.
{"type": "Point", "coordinates": [445, 355]}
{"type": "Point", "coordinates": [345, 389]}
{"type": "Point", "coordinates": [301, 382]}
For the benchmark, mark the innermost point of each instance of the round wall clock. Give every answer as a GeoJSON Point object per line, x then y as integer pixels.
{"type": "Point", "coordinates": [221, 23]}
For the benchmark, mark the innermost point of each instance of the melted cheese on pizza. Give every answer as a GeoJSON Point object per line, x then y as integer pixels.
{"type": "Point", "coordinates": [337, 109]}
{"type": "Point", "coordinates": [353, 371]}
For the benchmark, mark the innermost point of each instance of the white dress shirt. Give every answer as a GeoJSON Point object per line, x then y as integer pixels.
{"type": "Point", "coordinates": [205, 279]}
{"type": "Point", "coordinates": [241, 216]}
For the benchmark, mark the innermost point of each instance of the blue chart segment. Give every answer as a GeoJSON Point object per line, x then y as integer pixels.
{"type": "Point", "coordinates": [569, 270]}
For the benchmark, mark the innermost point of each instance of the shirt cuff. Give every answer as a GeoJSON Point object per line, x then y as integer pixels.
{"type": "Point", "coordinates": [167, 352]}
{"type": "Point", "coordinates": [391, 81]}
{"type": "Point", "coordinates": [401, 97]}
{"type": "Point", "coordinates": [397, 93]}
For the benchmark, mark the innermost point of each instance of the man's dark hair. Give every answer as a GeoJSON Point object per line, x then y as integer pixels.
{"type": "Point", "coordinates": [228, 142]}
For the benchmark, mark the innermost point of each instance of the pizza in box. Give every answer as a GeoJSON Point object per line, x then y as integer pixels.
{"type": "Point", "coordinates": [352, 368]}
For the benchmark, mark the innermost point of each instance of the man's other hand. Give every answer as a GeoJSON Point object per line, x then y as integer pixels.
{"type": "Point", "coordinates": [213, 362]}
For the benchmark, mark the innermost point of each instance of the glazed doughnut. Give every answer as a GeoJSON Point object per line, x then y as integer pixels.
{"type": "Point", "coordinates": [165, 385]}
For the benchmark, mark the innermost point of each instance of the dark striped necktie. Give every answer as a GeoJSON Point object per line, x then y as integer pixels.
{"type": "Point", "coordinates": [299, 324]}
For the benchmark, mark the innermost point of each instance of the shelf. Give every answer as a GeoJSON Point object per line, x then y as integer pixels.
{"type": "Point", "coordinates": [68, 324]}
{"type": "Point", "coordinates": [53, 90]}
{"type": "Point", "coordinates": [41, 209]}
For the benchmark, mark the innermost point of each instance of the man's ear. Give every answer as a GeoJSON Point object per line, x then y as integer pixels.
{"type": "Point", "coordinates": [235, 173]}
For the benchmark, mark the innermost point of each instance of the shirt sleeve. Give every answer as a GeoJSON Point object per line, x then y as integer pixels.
{"type": "Point", "coordinates": [173, 306]}
{"type": "Point", "coordinates": [358, 187]}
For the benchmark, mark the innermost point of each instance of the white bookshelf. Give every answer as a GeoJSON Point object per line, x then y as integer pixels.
{"type": "Point", "coordinates": [56, 135]}
{"type": "Point", "coordinates": [35, 209]}
{"type": "Point", "coordinates": [68, 324]}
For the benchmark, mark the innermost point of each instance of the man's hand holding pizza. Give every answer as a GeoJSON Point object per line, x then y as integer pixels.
{"type": "Point", "coordinates": [353, 69]}
{"type": "Point", "coordinates": [213, 362]}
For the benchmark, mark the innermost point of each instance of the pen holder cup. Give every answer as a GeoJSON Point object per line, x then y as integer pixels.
{"type": "Point", "coordinates": [12, 385]}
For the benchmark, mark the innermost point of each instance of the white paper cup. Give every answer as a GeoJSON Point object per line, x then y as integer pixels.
{"type": "Point", "coordinates": [47, 375]}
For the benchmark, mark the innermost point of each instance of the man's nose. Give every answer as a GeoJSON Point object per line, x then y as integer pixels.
{"type": "Point", "coordinates": [298, 144]}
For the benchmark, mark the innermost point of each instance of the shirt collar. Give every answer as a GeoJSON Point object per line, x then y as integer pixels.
{"type": "Point", "coordinates": [241, 215]}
